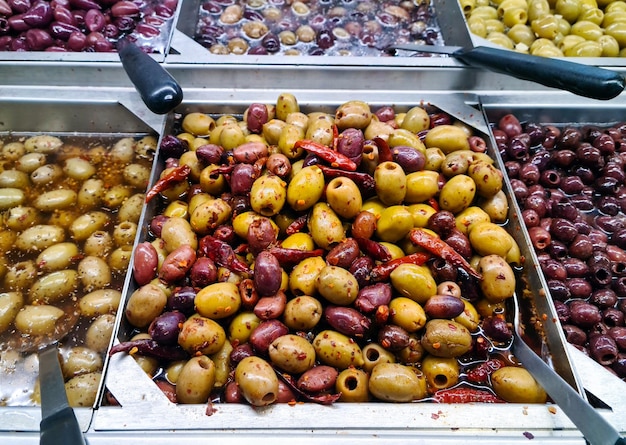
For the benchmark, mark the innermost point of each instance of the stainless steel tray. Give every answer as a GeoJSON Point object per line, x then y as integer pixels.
{"type": "Point", "coordinates": [78, 114]}
{"type": "Point", "coordinates": [145, 408]}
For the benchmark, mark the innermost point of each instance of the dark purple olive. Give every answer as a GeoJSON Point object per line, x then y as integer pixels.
{"type": "Point", "coordinates": [444, 306]}
{"type": "Point", "coordinates": [385, 114]}
{"type": "Point", "coordinates": [271, 43]}
{"type": "Point", "coordinates": [571, 185]}
{"type": "Point", "coordinates": [173, 147]}
{"type": "Point", "coordinates": [510, 125]}
{"type": "Point", "coordinates": [241, 179]}
{"type": "Point", "coordinates": [371, 297]}
{"type": "Point", "coordinates": [443, 270]}
{"type": "Point", "coordinates": [203, 272]}
{"type": "Point", "coordinates": [265, 333]}
{"type": "Point", "coordinates": [581, 247]}
{"type": "Point", "coordinates": [534, 132]}
{"type": "Point", "coordinates": [618, 333]}
{"type": "Point", "coordinates": [569, 138]}
{"type": "Point", "coordinates": [517, 148]}
{"type": "Point", "coordinates": [562, 311]}
{"type": "Point", "coordinates": [613, 317]}
{"type": "Point", "coordinates": [512, 169]}
{"type": "Point", "coordinates": [615, 171]}
{"type": "Point", "coordinates": [574, 334]}
{"type": "Point", "coordinates": [267, 274]}
{"type": "Point", "coordinates": [583, 314]}
{"type": "Point", "coordinates": [325, 39]}
{"type": "Point", "coordinates": [603, 349]}
{"type": "Point", "coordinates": [536, 203]}
{"type": "Point", "coordinates": [442, 222]}
{"type": "Point", "coordinates": [156, 224]}
{"type": "Point", "coordinates": [343, 254]}
{"type": "Point", "coordinates": [539, 237]}
{"type": "Point", "coordinates": [563, 158]}
{"type": "Point", "coordinates": [240, 352]}
{"type": "Point", "coordinates": [541, 159]}
{"type": "Point", "coordinates": [165, 328]}
{"type": "Point", "coordinates": [608, 205]}
{"type": "Point", "coordinates": [393, 338]}
{"type": "Point", "coordinates": [530, 218]}
{"type": "Point", "coordinates": [619, 366]}
{"type": "Point", "coordinates": [209, 154]}
{"type": "Point", "coordinates": [564, 209]}
{"type": "Point", "coordinates": [563, 230]}
{"type": "Point", "coordinates": [609, 224]}
{"type": "Point", "coordinates": [38, 39]}
{"type": "Point", "coordinates": [604, 143]}
{"type": "Point", "coordinates": [496, 328]}
{"type": "Point", "coordinates": [19, 6]}
{"type": "Point", "coordinates": [182, 300]}
{"type": "Point", "coordinates": [350, 143]}
{"type": "Point", "coordinates": [361, 269]}
{"type": "Point", "coordinates": [410, 159]}
{"type": "Point", "coordinates": [347, 320]}
{"type": "Point", "coordinates": [579, 288]}
{"type": "Point", "coordinates": [261, 234]}
{"type": "Point", "coordinates": [575, 267]}
{"type": "Point", "coordinates": [553, 270]}
{"type": "Point", "coordinates": [39, 14]}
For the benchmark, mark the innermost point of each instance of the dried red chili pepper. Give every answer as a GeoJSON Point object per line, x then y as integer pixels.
{"type": "Point", "coordinates": [465, 395]}
{"type": "Point", "coordinates": [289, 257]}
{"type": "Point", "coordinates": [439, 247]}
{"type": "Point", "coordinates": [334, 158]}
{"type": "Point", "coordinates": [364, 181]}
{"type": "Point", "coordinates": [382, 271]}
{"type": "Point", "coordinates": [176, 175]}
{"type": "Point", "coordinates": [222, 254]}
{"type": "Point", "coordinates": [150, 348]}
{"type": "Point", "coordinates": [434, 204]}
{"type": "Point", "coordinates": [297, 224]}
{"type": "Point", "coordinates": [384, 152]}
{"type": "Point", "coordinates": [373, 248]}
{"type": "Point", "coordinates": [481, 372]}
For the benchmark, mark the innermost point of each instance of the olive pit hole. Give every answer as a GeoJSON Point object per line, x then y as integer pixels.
{"type": "Point", "coordinates": [269, 397]}
{"type": "Point", "coordinates": [440, 381]}
{"type": "Point", "coordinates": [372, 355]}
{"type": "Point", "coordinates": [351, 383]}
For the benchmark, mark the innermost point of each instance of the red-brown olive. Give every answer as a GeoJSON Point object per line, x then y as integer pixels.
{"type": "Point", "coordinates": [361, 269]}
{"type": "Point", "coordinates": [265, 333]}
{"type": "Point", "coordinates": [203, 272]}
{"type": "Point", "coordinates": [182, 300]}
{"type": "Point", "coordinates": [267, 274]}
{"type": "Point", "coordinates": [393, 338]}
{"type": "Point", "coordinates": [165, 328]}
{"type": "Point", "coordinates": [350, 143]}
{"type": "Point", "coordinates": [371, 297]}
{"type": "Point", "coordinates": [574, 334]}
{"type": "Point", "coordinates": [583, 314]}
{"type": "Point", "coordinates": [603, 348]}
{"type": "Point", "coordinates": [496, 328]}
{"type": "Point", "coordinates": [344, 253]}
{"type": "Point", "coordinates": [579, 287]}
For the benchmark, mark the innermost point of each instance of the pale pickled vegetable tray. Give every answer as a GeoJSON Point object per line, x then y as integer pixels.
{"type": "Point", "coordinates": [317, 307]}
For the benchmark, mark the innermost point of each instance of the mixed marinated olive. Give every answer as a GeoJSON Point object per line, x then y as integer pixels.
{"type": "Point", "coordinates": [569, 181]}
{"type": "Point", "coordinates": [70, 207]}
{"type": "Point", "coordinates": [345, 254]}
{"type": "Point", "coordinates": [551, 28]}
{"type": "Point", "coordinates": [313, 27]}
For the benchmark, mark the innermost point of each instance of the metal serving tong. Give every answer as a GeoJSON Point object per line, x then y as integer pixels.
{"type": "Point", "coordinates": [596, 429]}
{"type": "Point", "coordinates": [583, 80]}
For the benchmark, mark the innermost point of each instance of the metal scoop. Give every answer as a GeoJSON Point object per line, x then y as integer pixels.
{"type": "Point", "coordinates": [596, 429]}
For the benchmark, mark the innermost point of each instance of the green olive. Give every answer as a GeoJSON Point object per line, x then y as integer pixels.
{"type": "Point", "coordinates": [434, 159]}
{"type": "Point", "coordinates": [421, 214]}
{"type": "Point", "coordinates": [305, 188]}
{"type": "Point", "coordinates": [537, 8]}
{"type": "Point", "coordinates": [472, 215]}
{"type": "Point", "coordinates": [320, 131]}
{"type": "Point", "coordinates": [292, 353]}
{"type": "Point", "coordinates": [285, 105]}
{"type": "Point", "coordinates": [373, 354]}
{"type": "Point", "coordinates": [242, 222]}
{"type": "Point", "coordinates": [402, 137]}
{"type": "Point", "coordinates": [413, 281]}
{"type": "Point", "coordinates": [457, 194]}
{"type": "Point", "coordinates": [176, 232]}
{"type": "Point", "coordinates": [241, 326]}
{"type": "Point", "coordinates": [587, 29]}
{"type": "Point", "coordinates": [10, 305]}
{"type": "Point", "coordinates": [545, 26]}
{"type": "Point", "coordinates": [335, 349]}
{"type": "Point", "coordinates": [488, 238]}
{"type": "Point", "coordinates": [390, 181]}
{"type": "Point", "coordinates": [302, 313]}
{"type": "Point", "coordinates": [353, 114]}
{"type": "Point", "coordinates": [498, 279]}
{"type": "Point", "coordinates": [257, 381]}
{"type": "Point", "coordinates": [145, 304]}
{"type": "Point", "coordinates": [456, 163]}
{"type": "Point", "coordinates": [289, 135]}
{"type": "Point", "coordinates": [210, 214]}
{"type": "Point", "coordinates": [344, 197]}
{"type": "Point", "coordinates": [272, 130]}
{"type": "Point", "coordinates": [325, 226]}
{"type": "Point", "coordinates": [448, 138]}
{"type": "Point", "coordinates": [496, 206]}
{"type": "Point", "coordinates": [195, 381]}
{"type": "Point", "coordinates": [337, 285]}
{"type": "Point", "coordinates": [393, 382]}
{"type": "Point", "coordinates": [487, 177]}
{"type": "Point", "coordinates": [218, 300]}
{"type": "Point", "coordinates": [201, 335]}
{"type": "Point", "coordinates": [394, 223]}
{"type": "Point", "coordinates": [440, 372]}
{"type": "Point", "coordinates": [517, 385]}
{"type": "Point", "coordinates": [221, 360]}
{"type": "Point", "coordinates": [416, 120]}
{"type": "Point", "coordinates": [421, 186]}
{"type": "Point", "coordinates": [469, 317]}
{"type": "Point", "coordinates": [352, 384]}
{"type": "Point", "coordinates": [407, 313]}
{"type": "Point", "coordinates": [569, 9]}
{"type": "Point", "coordinates": [446, 338]}
{"type": "Point", "coordinates": [303, 277]}
{"type": "Point", "coordinates": [268, 195]}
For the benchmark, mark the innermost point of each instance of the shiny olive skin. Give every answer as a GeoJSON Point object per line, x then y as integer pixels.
{"type": "Point", "coordinates": [302, 313]}
{"type": "Point", "coordinates": [337, 285]}
{"type": "Point", "coordinates": [303, 277]}
{"type": "Point", "coordinates": [305, 188]}
{"type": "Point", "coordinates": [498, 282]}
{"type": "Point", "coordinates": [344, 253]}
{"type": "Point", "coordinates": [317, 379]}
{"type": "Point", "coordinates": [394, 223]}
{"type": "Point", "coordinates": [344, 197]}
{"type": "Point", "coordinates": [446, 338]}
{"type": "Point", "coordinates": [257, 380]}
{"type": "Point", "coordinates": [352, 384]}
{"type": "Point", "coordinates": [200, 334]}
{"type": "Point", "coordinates": [325, 226]}
{"type": "Point", "coordinates": [145, 304]}
{"type": "Point", "coordinates": [265, 333]}
{"type": "Point", "coordinates": [292, 353]}
{"type": "Point", "coordinates": [488, 238]}
{"type": "Point", "coordinates": [421, 186]}
{"type": "Point", "coordinates": [448, 138]}
{"type": "Point", "coordinates": [457, 194]}
{"type": "Point", "coordinates": [267, 274]}
{"type": "Point", "coordinates": [393, 382]}
{"type": "Point", "coordinates": [444, 306]}
{"type": "Point", "coordinates": [373, 354]}
{"type": "Point", "coordinates": [268, 195]}
{"type": "Point", "coordinates": [335, 349]}
{"type": "Point", "coordinates": [407, 314]}
{"type": "Point", "coordinates": [440, 372]}
{"type": "Point", "coordinates": [487, 177]}
{"type": "Point", "coordinates": [414, 282]}
{"type": "Point", "coordinates": [390, 180]}
{"type": "Point", "coordinates": [517, 385]}
{"type": "Point", "coordinates": [353, 114]}
{"type": "Point", "coordinates": [347, 320]}
{"type": "Point", "coordinates": [218, 300]}
{"type": "Point", "coordinates": [195, 381]}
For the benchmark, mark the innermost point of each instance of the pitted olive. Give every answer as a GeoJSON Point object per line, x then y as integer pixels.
{"type": "Point", "coordinates": [446, 338]}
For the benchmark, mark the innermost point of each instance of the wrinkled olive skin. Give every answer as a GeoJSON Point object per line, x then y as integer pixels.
{"type": "Point", "coordinates": [371, 297]}
{"type": "Point", "coordinates": [195, 381]}
{"type": "Point", "coordinates": [292, 353]}
{"type": "Point", "coordinates": [201, 334]}
{"type": "Point", "coordinates": [407, 313]}
{"type": "Point", "coordinates": [446, 338]}
{"type": "Point", "coordinates": [488, 238]}
{"type": "Point", "coordinates": [257, 381]}
{"type": "Point", "coordinates": [517, 385]}
{"type": "Point", "coordinates": [440, 372]}
{"type": "Point", "coordinates": [337, 285]}
{"type": "Point", "coordinates": [394, 223]}
{"type": "Point", "coordinates": [487, 177]}
{"type": "Point", "coordinates": [414, 282]}
{"type": "Point", "coordinates": [218, 300]}
{"type": "Point", "coordinates": [390, 183]}
{"type": "Point", "coordinates": [335, 349]}
{"type": "Point", "coordinates": [344, 197]}
{"type": "Point", "coordinates": [447, 138]}
{"type": "Point", "coordinates": [268, 195]}
{"type": "Point", "coordinates": [302, 313]}
{"type": "Point", "coordinates": [498, 282]}
{"type": "Point", "coordinates": [457, 194]}
{"type": "Point", "coordinates": [325, 226]}
{"type": "Point", "coordinates": [347, 320]}
{"type": "Point", "coordinates": [393, 382]}
{"type": "Point", "coordinates": [305, 188]}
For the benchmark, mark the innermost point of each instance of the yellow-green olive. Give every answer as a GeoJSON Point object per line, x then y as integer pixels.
{"type": "Point", "coordinates": [209, 214]}
{"type": "Point", "coordinates": [210, 182]}
{"type": "Point", "coordinates": [80, 360]}
{"type": "Point", "coordinates": [268, 195]}
{"type": "Point", "coordinates": [302, 313]}
{"type": "Point", "coordinates": [457, 194]}
{"type": "Point", "coordinates": [517, 385]}
{"type": "Point", "coordinates": [241, 326]}
{"type": "Point", "coordinates": [83, 389]}
{"type": "Point", "coordinates": [195, 381]}
{"type": "Point", "coordinates": [434, 158]}
{"type": "Point", "coordinates": [320, 130]}
{"type": "Point", "coordinates": [456, 163]}
{"type": "Point", "coordinates": [421, 186]}
{"type": "Point", "coordinates": [617, 30]}
{"type": "Point", "coordinates": [352, 384]}
{"type": "Point", "coordinates": [221, 360]}
{"type": "Point", "coordinates": [292, 353]}
{"type": "Point", "coordinates": [337, 285]}
{"type": "Point", "coordinates": [472, 215]}
{"type": "Point", "coordinates": [537, 8]}
{"type": "Point", "coordinates": [54, 287]}
{"type": "Point", "coordinates": [57, 257]}
{"type": "Point", "coordinates": [305, 188]}
{"type": "Point", "coordinates": [353, 114]}
{"type": "Point", "coordinates": [335, 349]}
{"type": "Point", "coordinates": [393, 382]}
{"type": "Point", "coordinates": [325, 226]}
{"type": "Point", "coordinates": [99, 302]}
{"type": "Point", "coordinates": [610, 47]}
{"type": "Point", "coordinates": [88, 223]}
{"type": "Point", "coordinates": [10, 305]}
{"type": "Point", "coordinates": [231, 136]}
{"type": "Point", "coordinates": [440, 372]}
{"type": "Point", "coordinates": [286, 103]}
{"type": "Point", "coordinates": [521, 33]}
{"type": "Point", "coordinates": [272, 130]}
{"type": "Point", "coordinates": [497, 207]}
{"type": "Point", "coordinates": [94, 273]}
{"type": "Point", "coordinates": [242, 222]}
{"type": "Point", "coordinates": [344, 197]}
{"type": "Point", "coordinates": [391, 183]}
{"type": "Point", "coordinates": [289, 135]}
{"type": "Point", "coordinates": [407, 313]}
{"type": "Point", "coordinates": [469, 317]}
{"type": "Point", "coordinates": [498, 279]}
{"type": "Point", "coordinates": [201, 334]}
{"type": "Point", "coordinates": [40, 319]}
{"type": "Point", "coordinates": [421, 214]}
{"type": "Point", "coordinates": [545, 26]}
{"type": "Point", "coordinates": [145, 304]}
{"type": "Point", "coordinates": [488, 238]}
{"type": "Point", "coordinates": [446, 338]}
{"type": "Point", "coordinates": [55, 200]}
{"type": "Point", "coordinates": [373, 354]}
{"type": "Point", "coordinates": [218, 300]}
{"type": "Point", "coordinates": [20, 275]}
{"type": "Point", "coordinates": [486, 177]}
{"type": "Point", "coordinates": [14, 179]}
{"type": "Point", "coordinates": [448, 138]}
{"type": "Point", "coordinates": [177, 231]}
{"type": "Point", "coordinates": [413, 281]}
{"type": "Point", "coordinates": [303, 277]}
{"type": "Point", "coordinates": [416, 120]}
{"type": "Point", "coordinates": [394, 223]}
{"type": "Point", "coordinates": [198, 124]}
{"type": "Point", "coordinates": [99, 333]}
{"type": "Point", "coordinates": [257, 381]}
{"type": "Point", "coordinates": [587, 29]}
{"type": "Point", "coordinates": [43, 143]}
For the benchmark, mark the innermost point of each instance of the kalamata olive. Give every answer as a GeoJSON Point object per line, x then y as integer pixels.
{"type": "Point", "coordinates": [619, 366]}
{"type": "Point", "coordinates": [271, 307]}
{"type": "Point", "coordinates": [550, 178]}
{"type": "Point", "coordinates": [410, 159]}
{"type": "Point", "coordinates": [267, 274]}
{"type": "Point", "coordinates": [563, 230]}
{"type": "Point", "coordinates": [393, 338]}
{"type": "Point", "coordinates": [442, 270]}
{"type": "Point", "coordinates": [318, 379]}
{"type": "Point", "coordinates": [242, 178]}
{"type": "Point", "coordinates": [371, 297]}
{"type": "Point", "coordinates": [510, 125]}
{"type": "Point", "coordinates": [604, 143]}
{"type": "Point", "coordinates": [512, 169]}
{"type": "Point", "coordinates": [209, 154]}
{"type": "Point", "coordinates": [535, 132]}
{"type": "Point", "coordinates": [603, 298]}
{"type": "Point", "coordinates": [536, 203]}
{"type": "Point", "coordinates": [608, 205]}
{"type": "Point", "coordinates": [517, 149]}
{"type": "Point", "coordinates": [603, 348]}
{"type": "Point", "coordinates": [616, 171]}
{"type": "Point", "coordinates": [240, 352]}
{"type": "Point", "coordinates": [612, 317]}
{"type": "Point", "coordinates": [270, 43]}
{"type": "Point", "coordinates": [344, 253]}
{"type": "Point", "coordinates": [203, 272]}
{"type": "Point", "coordinates": [530, 218]}
{"type": "Point", "coordinates": [553, 270]}
{"type": "Point", "coordinates": [539, 237]}
{"type": "Point", "coordinates": [257, 116]}
{"type": "Point", "coordinates": [165, 328]}
{"type": "Point", "coordinates": [364, 225]}
{"type": "Point", "coordinates": [442, 222]}
{"type": "Point", "coordinates": [574, 334]}
{"type": "Point", "coordinates": [496, 328]}
{"type": "Point", "coordinates": [584, 314]}
{"type": "Point", "coordinates": [444, 306]}
{"type": "Point", "coordinates": [361, 269]}
{"type": "Point", "coordinates": [563, 158]}
{"type": "Point", "coordinates": [558, 290]}
{"type": "Point", "coordinates": [182, 300]}
{"type": "Point", "coordinates": [346, 320]}
{"type": "Point", "coordinates": [278, 164]}
{"type": "Point", "coordinates": [618, 333]}
{"type": "Point", "coordinates": [571, 185]}
{"type": "Point", "coordinates": [265, 333]}
{"type": "Point", "coordinates": [261, 234]}
{"type": "Point", "coordinates": [564, 209]}
{"type": "Point", "coordinates": [385, 114]}
{"type": "Point", "coordinates": [579, 287]}
{"type": "Point", "coordinates": [39, 14]}
{"type": "Point", "coordinates": [569, 138]}
{"type": "Point", "coordinates": [350, 143]}
{"type": "Point", "coordinates": [588, 155]}
{"type": "Point", "coordinates": [459, 242]}
{"type": "Point", "coordinates": [581, 247]}
{"type": "Point", "coordinates": [519, 188]}
{"type": "Point", "coordinates": [562, 311]}
{"type": "Point", "coordinates": [541, 159]}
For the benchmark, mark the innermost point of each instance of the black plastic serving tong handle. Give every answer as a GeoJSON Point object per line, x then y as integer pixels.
{"type": "Point", "coordinates": [157, 88]}
{"type": "Point", "coordinates": [583, 80]}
